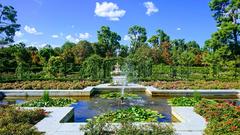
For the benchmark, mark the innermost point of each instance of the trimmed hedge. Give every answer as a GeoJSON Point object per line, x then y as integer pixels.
{"type": "Point", "coordinates": [193, 84]}
{"type": "Point", "coordinates": [48, 85]}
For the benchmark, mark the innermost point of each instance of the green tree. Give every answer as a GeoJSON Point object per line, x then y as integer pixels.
{"type": "Point", "coordinates": [55, 66]}
{"type": "Point", "coordinates": [109, 40]}
{"type": "Point", "coordinates": [92, 67]}
{"type": "Point", "coordinates": [8, 24]}
{"type": "Point", "coordinates": [226, 13]}
{"type": "Point", "coordinates": [157, 40]}
{"type": "Point", "coordinates": [81, 51]}
{"type": "Point", "coordinates": [46, 52]}
{"type": "Point", "coordinates": [138, 37]}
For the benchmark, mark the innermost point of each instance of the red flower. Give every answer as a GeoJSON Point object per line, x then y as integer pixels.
{"type": "Point", "coordinates": [233, 128]}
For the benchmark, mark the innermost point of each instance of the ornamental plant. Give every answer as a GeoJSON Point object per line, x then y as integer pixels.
{"type": "Point", "coordinates": [131, 114]}
{"type": "Point", "coordinates": [17, 121]}
{"type": "Point", "coordinates": [223, 118]}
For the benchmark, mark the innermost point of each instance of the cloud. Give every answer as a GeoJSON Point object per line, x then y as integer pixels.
{"type": "Point", "coordinates": [32, 30]}
{"type": "Point", "coordinates": [109, 10]}
{"type": "Point", "coordinates": [78, 37]}
{"type": "Point", "coordinates": [179, 29]}
{"type": "Point", "coordinates": [151, 8]}
{"type": "Point", "coordinates": [18, 34]}
{"type": "Point", "coordinates": [84, 35]}
{"type": "Point", "coordinates": [72, 39]}
{"type": "Point", "coordinates": [126, 38]}
{"type": "Point", "coordinates": [55, 36]}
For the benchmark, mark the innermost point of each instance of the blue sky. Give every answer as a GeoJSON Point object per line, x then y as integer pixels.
{"type": "Point", "coordinates": [56, 21]}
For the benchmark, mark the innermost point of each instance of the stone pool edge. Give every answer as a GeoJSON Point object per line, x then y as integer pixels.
{"type": "Point", "coordinates": [150, 90]}
{"type": "Point", "coordinates": [191, 123]}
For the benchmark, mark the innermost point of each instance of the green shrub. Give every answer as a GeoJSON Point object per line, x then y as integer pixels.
{"type": "Point", "coordinates": [125, 128]}
{"type": "Point", "coordinates": [19, 129]}
{"type": "Point", "coordinates": [46, 97]}
{"type": "Point", "coordinates": [17, 121]}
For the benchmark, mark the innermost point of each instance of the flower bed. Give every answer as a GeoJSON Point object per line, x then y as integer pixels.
{"type": "Point", "coordinates": [223, 118]}
{"type": "Point", "coordinates": [16, 121]}
{"type": "Point", "coordinates": [48, 85]}
{"type": "Point", "coordinates": [193, 84]}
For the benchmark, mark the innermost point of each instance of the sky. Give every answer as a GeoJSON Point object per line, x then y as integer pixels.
{"type": "Point", "coordinates": [57, 21]}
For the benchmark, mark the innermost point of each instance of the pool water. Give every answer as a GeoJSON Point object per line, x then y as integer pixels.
{"type": "Point", "coordinates": [87, 109]}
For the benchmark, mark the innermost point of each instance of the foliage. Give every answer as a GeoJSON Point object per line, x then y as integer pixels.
{"type": "Point", "coordinates": [92, 67]}
{"type": "Point", "coordinates": [55, 66]}
{"type": "Point", "coordinates": [48, 85]}
{"type": "Point", "coordinates": [131, 114]}
{"type": "Point", "coordinates": [19, 121]}
{"type": "Point", "coordinates": [118, 95]}
{"type": "Point", "coordinates": [126, 128]}
{"type": "Point", "coordinates": [186, 101]}
{"type": "Point", "coordinates": [138, 37]}
{"type": "Point", "coordinates": [223, 117]}
{"type": "Point", "coordinates": [50, 102]}
{"type": "Point", "coordinates": [8, 24]}
{"type": "Point", "coordinates": [45, 96]}
{"type": "Point", "coordinates": [194, 84]}
{"type": "Point", "coordinates": [109, 40]}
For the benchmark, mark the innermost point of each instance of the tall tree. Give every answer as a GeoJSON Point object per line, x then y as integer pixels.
{"type": "Point", "coordinates": [157, 40]}
{"type": "Point", "coordinates": [8, 24]}
{"type": "Point", "coordinates": [109, 40]}
{"type": "Point", "coordinates": [227, 15]}
{"type": "Point", "coordinates": [138, 37]}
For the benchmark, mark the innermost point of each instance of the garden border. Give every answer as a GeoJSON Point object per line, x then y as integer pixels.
{"type": "Point", "coordinates": [191, 122]}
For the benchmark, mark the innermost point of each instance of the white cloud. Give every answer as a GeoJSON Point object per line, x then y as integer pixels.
{"type": "Point", "coordinates": [18, 34]}
{"type": "Point", "coordinates": [179, 29]}
{"type": "Point", "coordinates": [84, 35]}
{"type": "Point", "coordinates": [126, 38]}
{"type": "Point", "coordinates": [32, 30]}
{"type": "Point", "coordinates": [55, 36]}
{"type": "Point", "coordinates": [151, 8]}
{"type": "Point", "coordinates": [77, 37]}
{"type": "Point", "coordinates": [72, 39]}
{"type": "Point", "coordinates": [109, 10]}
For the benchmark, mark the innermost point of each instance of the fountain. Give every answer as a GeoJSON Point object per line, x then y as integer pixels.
{"type": "Point", "coordinates": [118, 78]}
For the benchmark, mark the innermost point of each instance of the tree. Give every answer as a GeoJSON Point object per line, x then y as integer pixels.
{"type": "Point", "coordinates": [92, 67]}
{"type": "Point", "coordinates": [123, 51]}
{"type": "Point", "coordinates": [157, 40]}
{"type": "Point", "coordinates": [138, 37]}
{"type": "Point", "coordinates": [8, 24]}
{"type": "Point", "coordinates": [55, 66]}
{"type": "Point", "coordinates": [217, 59]}
{"type": "Point", "coordinates": [166, 55]}
{"type": "Point", "coordinates": [109, 40]}
{"type": "Point", "coordinates": [68, 45]}
{"type": "Point", "coordinates": [226, 13]}
{"type": "Point", "coordinates": [81, 51]}
{"type": "Point", "coordinates": [46, 52]}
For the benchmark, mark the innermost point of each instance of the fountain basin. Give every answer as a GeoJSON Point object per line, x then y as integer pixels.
{"type": "Point", "coordinates": [119, 80]}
